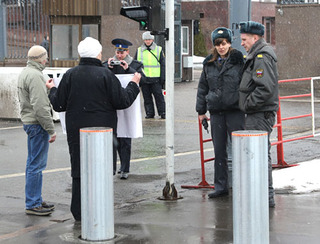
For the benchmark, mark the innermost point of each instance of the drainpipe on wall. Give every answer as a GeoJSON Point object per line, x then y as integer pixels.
{"type": "Point", "coordinates": [238, 11]}
{"type": "Point", "coordinates": [3, 31]}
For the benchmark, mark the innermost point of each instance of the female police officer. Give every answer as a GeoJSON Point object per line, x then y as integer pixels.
{"type": "Point", "coordinates": [218, 93]}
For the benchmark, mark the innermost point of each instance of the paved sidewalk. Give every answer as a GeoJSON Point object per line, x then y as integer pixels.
{"type": "Point", "coordinates": [139, 216]}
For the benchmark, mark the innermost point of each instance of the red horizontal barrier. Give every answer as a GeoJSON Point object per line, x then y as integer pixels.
{"type": "Point", "coordinates": [297, 117]}
{"type": "Point", "coordinates": [279, 143]}
{"type": "Point", "coordinates": [293, 80]}
{"type": "Point", "coordinates": [295, 96]}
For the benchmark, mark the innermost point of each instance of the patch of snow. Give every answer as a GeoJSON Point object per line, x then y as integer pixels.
{"type": "Point", "coordinates": [303, 178]}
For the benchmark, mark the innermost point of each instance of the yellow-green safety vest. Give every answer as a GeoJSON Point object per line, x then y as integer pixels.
{"type": "Point", "coordinates": [150, 63]}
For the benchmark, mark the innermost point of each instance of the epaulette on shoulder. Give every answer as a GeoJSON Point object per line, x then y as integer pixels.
{"type": "Point", "coordinates": [260, 56]}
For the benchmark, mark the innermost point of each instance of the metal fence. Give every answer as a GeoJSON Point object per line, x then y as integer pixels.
{"type": "Point", "coordinates": [26, 26]}
{"type": "Point", "coordinates": [291, 2]}
{"type": "Point", "coordinates": [126, 3]}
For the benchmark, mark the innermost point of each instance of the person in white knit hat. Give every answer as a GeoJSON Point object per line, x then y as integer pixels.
{"type": "Point", "coordinates": [90, 94]}
{"type": "Point", "coordinates": [152, 57]}
{"type": "Point", "coordinates": [37, 122]}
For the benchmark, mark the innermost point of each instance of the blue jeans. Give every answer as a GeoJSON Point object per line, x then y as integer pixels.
{"type": "Point", "coordinates": [38, 146]}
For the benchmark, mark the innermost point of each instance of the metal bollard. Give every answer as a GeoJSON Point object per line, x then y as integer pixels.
{"type": "Point", "coordinates": [96, 157]}
{"type": "Point", "coordinates": [250, 187]}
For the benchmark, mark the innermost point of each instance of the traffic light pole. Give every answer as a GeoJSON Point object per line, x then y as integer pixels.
{"type": "Point", "coordinates": [143, 15]}
{"type": "Point", "coordinates": [169, 191]}
{"type": "Point", "coordinates": [239, 11]}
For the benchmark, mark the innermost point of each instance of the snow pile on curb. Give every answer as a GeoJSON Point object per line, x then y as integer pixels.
{"type": "Point", "coordinates": [303, 178]}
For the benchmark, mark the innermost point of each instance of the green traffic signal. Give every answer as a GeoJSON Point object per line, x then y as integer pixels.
{"type": "Point", "coordinates": [140, 14]}
{"type": "Point", "coordinates": [143, 24]}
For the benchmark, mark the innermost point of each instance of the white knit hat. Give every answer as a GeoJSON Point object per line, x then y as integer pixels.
{"type": "Point", "coordinates": [147, 36]}
{"type": "Point", "coordinates": [37, 53]}
{"type": "Point", "coordinates": [89, 48]}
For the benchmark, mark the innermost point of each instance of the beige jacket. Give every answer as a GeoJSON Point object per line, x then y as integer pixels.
{"type": "Point", "coordinates": [34, 102]}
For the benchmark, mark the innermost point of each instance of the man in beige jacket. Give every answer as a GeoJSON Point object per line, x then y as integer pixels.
{"type": "Point", "coordinates": [37, 122]}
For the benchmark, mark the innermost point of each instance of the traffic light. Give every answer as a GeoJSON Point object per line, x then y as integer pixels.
{"type": "Point", "coordinates": [140, 14]}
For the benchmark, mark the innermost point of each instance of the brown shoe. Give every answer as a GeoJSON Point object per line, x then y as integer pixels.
{"type": "Point", "coordinates": [39, 211]}
{"type": "Point", "coordinates": [47, 206]}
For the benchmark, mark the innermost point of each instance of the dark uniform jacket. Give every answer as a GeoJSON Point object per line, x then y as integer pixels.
{"type": "Point", "coordinates": [90, 94]}
{"type": "Point", "coordinates": [218, 88]}
{"type": "Point", "coordinates": [134, 66]}
{"type": "Point", "coordinates": [259, 84]}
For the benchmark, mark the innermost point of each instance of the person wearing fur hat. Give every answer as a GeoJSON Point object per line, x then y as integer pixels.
{"type": "Point", "coordinates": [218, 93]}
{"type": "Point", "coordinates": [90, 94]}
{"type": "Point", "coordinates": [127, 65]}
{"type": "Point", "coordinates": [152, 57]}
{"type": "Point", "coordinates": [259, 89]}
{"type": "Point", "coordinates": [37, 122]}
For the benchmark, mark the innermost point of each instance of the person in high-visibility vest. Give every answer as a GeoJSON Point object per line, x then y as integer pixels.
{"type": "Point", "coordinates": [152, 57]}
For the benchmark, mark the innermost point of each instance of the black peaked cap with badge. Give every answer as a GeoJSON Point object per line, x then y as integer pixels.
{"type": "Point", "coordinates": [252, 27]}
{"type": "Point", "coordinates": [121, 44]}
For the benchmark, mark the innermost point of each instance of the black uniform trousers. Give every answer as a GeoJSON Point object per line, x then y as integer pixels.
{"type": "Point", "coordinates": [263, 121]}
{"type": "Point", "coordinates": [222, 125]}
{"type": "Point", "coordinates": [124, 150]}
{"type": "Point", "coordinates": [154, 89]}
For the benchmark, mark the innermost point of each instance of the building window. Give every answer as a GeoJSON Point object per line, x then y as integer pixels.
{"type": "Point", "coordinates": [66, 40]}
{"type": "Point", "coordinates": [91, 30]}
{"type": "Point", "coordinates": [269, 23]}
{"type": "Point", "coordinates": [185, 39]}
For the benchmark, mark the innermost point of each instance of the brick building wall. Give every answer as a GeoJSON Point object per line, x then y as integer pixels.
{"type": "Point", "coordinates": [298, 35]}
{"type": "Point", "coordinates": [260, 11]}
{"type": "Point", "coordinates": [117, 26]}
{"type": "Point", "coordinates": [211, 14]}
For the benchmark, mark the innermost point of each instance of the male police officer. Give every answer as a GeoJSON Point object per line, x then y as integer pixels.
{"type": "Point", "coordinates": [151, 55]}
{"type": "Point", "coordinates": [259, 86]}
{"type": "Point", "coordinates": [123, 63]}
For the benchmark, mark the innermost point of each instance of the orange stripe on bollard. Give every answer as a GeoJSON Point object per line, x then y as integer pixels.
{"type": "Point", "coordinates": [259, 134]}
{"type": "Point", "coordinates": [95, 130]}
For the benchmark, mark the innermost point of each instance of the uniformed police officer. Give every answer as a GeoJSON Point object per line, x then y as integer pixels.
{"type": "Point", "coordinates": [259, 86]}
{"type": "Point", "coordinates": [218, 93]}
{"type": "Point", "coordinates": [123, 63]}
{"type": "Point", "coordinates": [151, 55]}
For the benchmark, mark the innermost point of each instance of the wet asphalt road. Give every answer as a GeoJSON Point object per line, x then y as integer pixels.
{"type": "Point", "coordinates": [139, 216]}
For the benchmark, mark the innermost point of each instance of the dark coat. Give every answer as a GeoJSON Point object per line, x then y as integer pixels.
{"type": "Point", "coordinates": [134, 66]}
{"type": "Point", "coordinates": [218, 88]}
{"type": "Point", "coordinates": [259, 91]}
{"type": "Point", "coordinates": [90, 94]}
